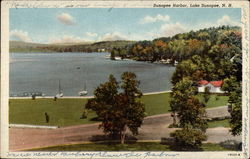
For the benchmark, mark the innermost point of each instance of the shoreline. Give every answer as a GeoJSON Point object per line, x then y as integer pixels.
{"type": "Point", "coordinates": [83, 97]}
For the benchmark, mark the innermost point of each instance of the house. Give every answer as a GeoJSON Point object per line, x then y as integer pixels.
{"type": "Point", "coordinates": [214, 86]}
{"type": "Point", "coordinates": [201, 85]}
{"type": "Point", "coordinates": [101, 50]}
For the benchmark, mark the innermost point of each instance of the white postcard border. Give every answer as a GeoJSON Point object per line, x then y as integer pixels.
{"type": "Point", "coordinates": [244, 5]}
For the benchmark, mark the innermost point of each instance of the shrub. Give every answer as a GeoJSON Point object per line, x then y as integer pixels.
{"type": "Point", "coordinates": [188, 138]}
{"type": "Point", "coordinates": [231, 144]}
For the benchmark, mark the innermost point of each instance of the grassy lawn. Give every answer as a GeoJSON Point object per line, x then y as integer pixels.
{"type": "Point", "coordinates": [62, 112]}
{"type": "Point", "coordinates": [214, 100]}
{"type": "Point", "coordinates": [218, 123]}
{"type": "Point", "coordinates": [65, 112]}
{"type": "Point", "coordinates": [138, 146]}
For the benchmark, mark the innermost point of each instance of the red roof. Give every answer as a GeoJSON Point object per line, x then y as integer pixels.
{"type": "Point", "coordinates": [216, 83]}
{"type": "Point", "coordinates": [203, 82]}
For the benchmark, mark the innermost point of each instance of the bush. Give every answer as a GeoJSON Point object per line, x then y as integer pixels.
{"type": "Point", "coordinates": [173, 126]}
{"type": "Point", "coordinates": [232, 145]}
{"type": "Point", "coordinates": [188, 139]}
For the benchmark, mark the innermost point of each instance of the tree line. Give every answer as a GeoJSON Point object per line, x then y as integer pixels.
{"type": "Point", "coordinates": [183, 46]}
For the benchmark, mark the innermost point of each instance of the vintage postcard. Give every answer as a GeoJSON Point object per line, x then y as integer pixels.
{"type": "Point", "coordinates": [127, 79]}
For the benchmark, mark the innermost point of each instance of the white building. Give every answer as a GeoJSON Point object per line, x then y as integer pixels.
{"type": "Point", "coordinates": [214, 86]}
{"type": "Point", "coordinates": [101, 50]}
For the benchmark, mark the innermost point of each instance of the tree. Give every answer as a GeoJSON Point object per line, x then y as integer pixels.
{"type": "Point", "coordinates": [112, 54]}
{"type": "Point", "coordinates": [190, 113]}
{"type": "Point", "coordinates": [235, 99]}
{"type": "Point", "coordinates": [103, 102]}
{"type": "Point", "coordinates": [233, 87]}
{"type": "Point", "coordinates": [185, 69]}
{"type": "Point", "coordinates": [180, 93]}
{"type": "Point", "coordinates": [206, 94]}
{"type": "Point", "coordinates": [119, 111]}
{"type": "Point", "coordinates": [134, 109]}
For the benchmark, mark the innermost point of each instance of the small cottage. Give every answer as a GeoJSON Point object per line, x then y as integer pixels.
{"type": "Point", "coordinates": [214, 86]}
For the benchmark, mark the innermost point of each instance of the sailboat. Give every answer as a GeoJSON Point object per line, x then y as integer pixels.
{"type": "Point", "coordinates": [84, 92]}
{"type": "Point", "coordinates": [60, 93]}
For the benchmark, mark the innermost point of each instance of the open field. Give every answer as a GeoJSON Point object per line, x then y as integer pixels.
{"type": "Point", "coordinates": [66, 111]}
{"type": "Point", "coordinates": [139, 146]}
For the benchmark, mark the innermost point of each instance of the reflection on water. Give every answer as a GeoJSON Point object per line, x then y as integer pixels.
{"type": "Point", "coordinates": [40, 72]}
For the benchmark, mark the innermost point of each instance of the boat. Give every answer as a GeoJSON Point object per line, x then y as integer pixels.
{"type": "Point", "coordinates": [118, 58]}
{"type": "Point", "coordinates": [60, 93]}
{"type": "Point", "coordinates": [84, 92]}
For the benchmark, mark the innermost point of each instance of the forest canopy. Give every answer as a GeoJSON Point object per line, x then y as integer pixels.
{"type": "Point", "coordinates": [211, 53]}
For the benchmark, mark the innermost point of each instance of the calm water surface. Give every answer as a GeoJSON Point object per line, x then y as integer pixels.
{"type": "Point", "coordinates": [41, 72]}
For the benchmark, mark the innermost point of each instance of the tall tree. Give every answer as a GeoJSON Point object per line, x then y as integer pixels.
{"type": "Point", "coordinates": [103, 103]}
{"type": "Point", "coordinates": [234, 89]}
{"type": "Point", "coordinates": [119, 111]}
{"type": "Point", "coordinates": [190, 113]}
{"type": "Point", "coordinates": [188, 108]}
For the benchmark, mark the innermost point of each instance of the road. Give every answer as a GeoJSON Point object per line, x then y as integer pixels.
{"type": "Point", "coordinates": [154, 128]}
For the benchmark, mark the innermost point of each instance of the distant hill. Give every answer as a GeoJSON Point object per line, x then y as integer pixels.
{"type": "Point", "coordinates": [18, 46]}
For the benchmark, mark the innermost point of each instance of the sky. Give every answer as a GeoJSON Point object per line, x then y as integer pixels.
{"type": "Point", "coordinates": [69, 25]}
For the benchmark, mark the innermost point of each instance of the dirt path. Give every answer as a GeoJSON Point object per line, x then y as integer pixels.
{"type": "Point", "coordinates": [154, 128]}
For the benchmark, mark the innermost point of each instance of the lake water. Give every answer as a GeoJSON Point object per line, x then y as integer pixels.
{"type": "Point", "coordinates": [41, 72]}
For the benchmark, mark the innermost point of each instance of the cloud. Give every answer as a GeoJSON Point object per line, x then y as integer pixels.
{"type": "Point", "coordinates": [172, 29]}
{"type": "Point", "coordinates": [20, 35]}
{"type": "Point", "coordinates": [66, 19]}
{"type": "Point", "coordinates": [90, 34]}
{"type": "Point", "coordinates": [113, 36]}
{"type": "Point", "coordinates": [153, 19]}
{"type": "Point", "coordinates": [226, 20]}
{"type": "Point", "coordinates": [68, 39]}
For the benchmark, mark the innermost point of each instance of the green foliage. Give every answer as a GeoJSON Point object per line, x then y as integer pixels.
{"type": "Point", "coordinates": [234, 89]}
{"type": "Point", "coordinates": [235, 100]}
{"type": "Point", "coordinates": [134, 109]}
{"type": "Point", "coordinates": [229, 84]}
{"type": "Point", "coordinates": [130, 86]}
{"type": "Point", "coordinates": [112, 55]}
{"type": "Point", "coordinates": [188, 139]}
{"type": "Point", "coordinates": [196, 68]}
{"type": "Point", "coordinates": [118, 111]}
{"type": "Point", "coordinates": [184, 70]}
{"type": "Point", "coordinates": [213, 43]}
{"type": "Point", "coordinates": [190, 113]}
{"type": "Point", "coordinates": [206, 94]}
{"type": "Point", "coordinates": [180, 94]}
{"type": "Point", "coordinates": [104, 104]}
